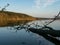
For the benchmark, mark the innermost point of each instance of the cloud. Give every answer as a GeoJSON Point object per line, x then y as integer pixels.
{"type": "Point", "coordinates": [49, 2]}
{"type": "Point", "coordinates": [37, 3]}
{"type": "Point", "coordinates": [44, 3]}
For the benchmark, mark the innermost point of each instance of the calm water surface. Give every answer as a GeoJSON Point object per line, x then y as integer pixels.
{"type": "Point", "coordinates": [9, 36]}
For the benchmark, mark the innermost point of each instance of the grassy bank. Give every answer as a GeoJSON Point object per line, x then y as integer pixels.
{"type": "Point", "coordinates": [12, 17]}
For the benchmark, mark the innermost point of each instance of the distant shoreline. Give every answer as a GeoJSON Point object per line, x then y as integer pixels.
{"type": "Point", "coordinates": [47, 18]}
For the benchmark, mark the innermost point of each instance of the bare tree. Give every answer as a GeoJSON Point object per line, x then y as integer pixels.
{"type": "Point", "coordinates": [4, 8]}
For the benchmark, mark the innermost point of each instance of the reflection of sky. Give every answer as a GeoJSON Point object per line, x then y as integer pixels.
{"type": "Point", "coordinates": [54, 25]}
{"type": "Point", "coordinates": [42, 8]}
{"type": "Point", "coordinates": [21, 37]}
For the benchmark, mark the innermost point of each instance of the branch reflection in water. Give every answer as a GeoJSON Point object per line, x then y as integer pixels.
{"type": "Point", "coordinates": [47, 32]}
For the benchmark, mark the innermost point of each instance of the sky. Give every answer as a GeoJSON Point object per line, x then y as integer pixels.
{"type": "Point", "coordinates": [36, 8]}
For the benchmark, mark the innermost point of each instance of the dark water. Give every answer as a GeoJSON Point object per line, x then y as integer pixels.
{"type": "Point", "coordinates": [9, 35]}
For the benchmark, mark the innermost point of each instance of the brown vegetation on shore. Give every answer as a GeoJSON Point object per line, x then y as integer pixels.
{"type": "Point", "coordinates": [11, 17]}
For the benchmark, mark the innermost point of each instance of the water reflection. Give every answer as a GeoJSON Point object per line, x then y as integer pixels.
{"type": "Point", "coordinates": [47, 32]}
{"type": "Point", "coordinates": [6, 24]}
{"type": "Point", "coordinates": [36, 28]}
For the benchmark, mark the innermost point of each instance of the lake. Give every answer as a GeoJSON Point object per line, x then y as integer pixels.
{"type": "Point", "coordinates": [9, 35]}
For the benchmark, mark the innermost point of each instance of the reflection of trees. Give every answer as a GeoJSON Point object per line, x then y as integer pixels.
{"type": "Point", "coordinates": [47, 32]}
{"type": "Point", "coordinates": [12, 23]}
